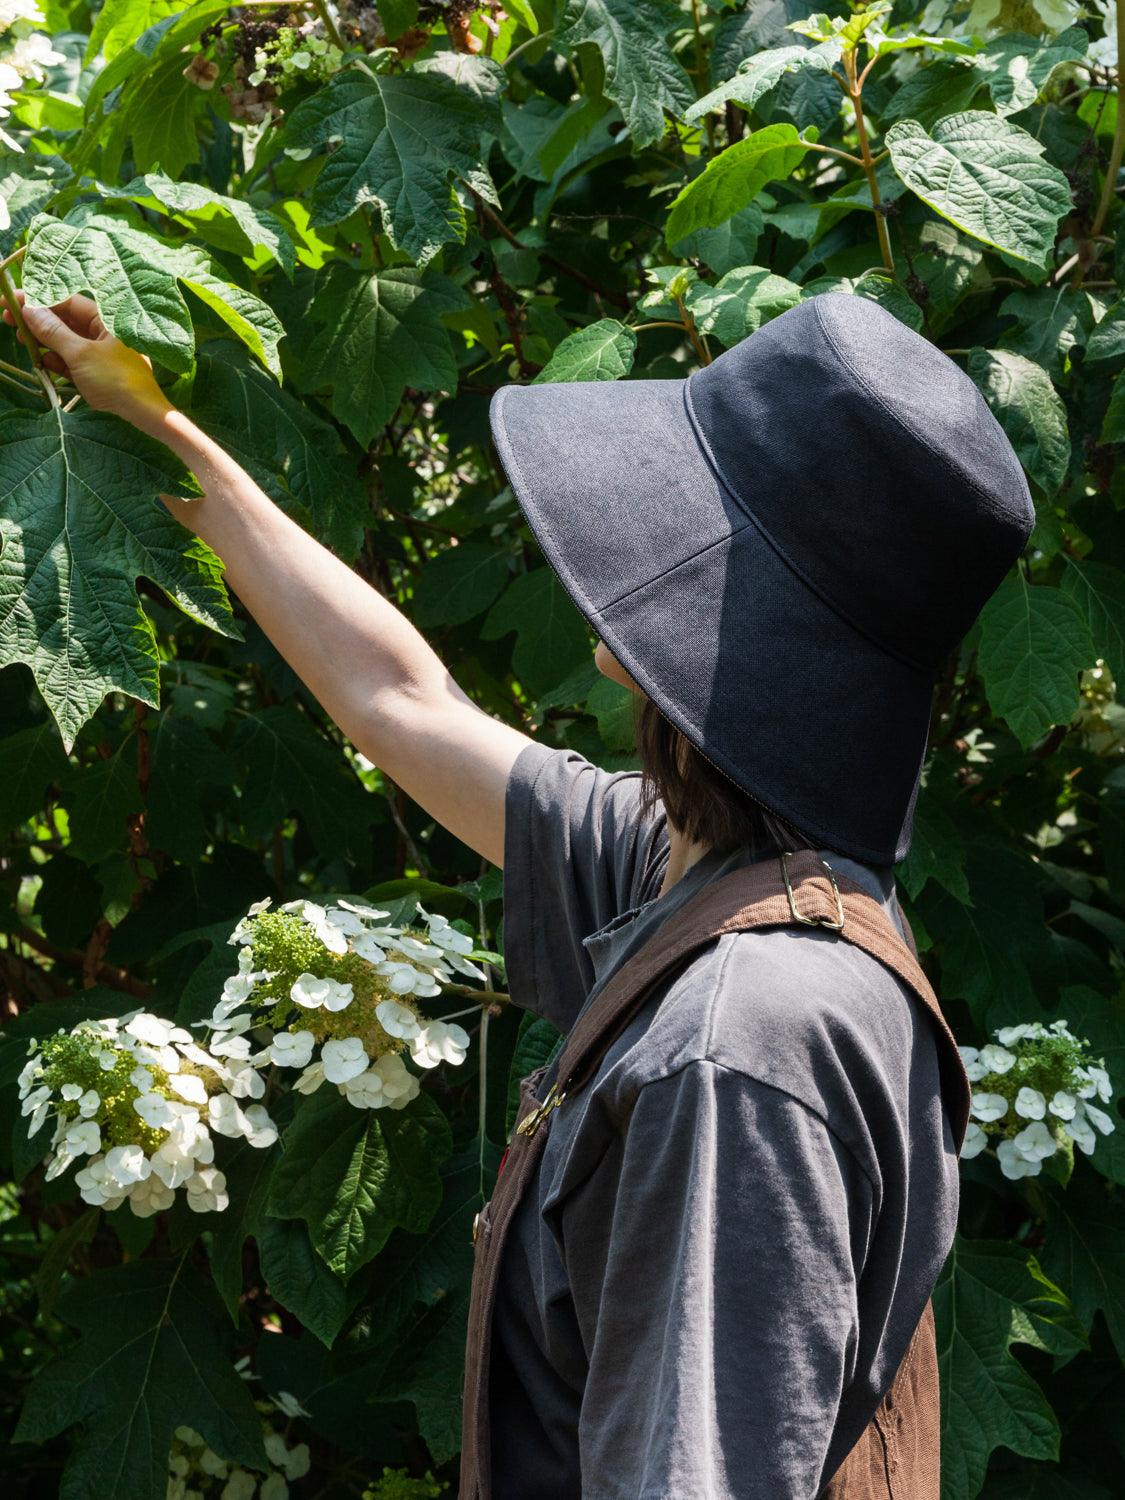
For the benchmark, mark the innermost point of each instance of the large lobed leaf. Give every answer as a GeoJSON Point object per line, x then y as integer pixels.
{"type": "Point", "coordinates": [153, 1356]}
{"type": "Point", "coordinates": [642, 76]}
{"type": "Point", "coordinates": [379, 332]}
{"type": "Point", "coordinates": [400, 141]}
{"type": "Point", "coordinates": [990, 1295]}
{"type": "Point", "coordinates": [135, 277]}
{"type": "Point", "coordinates": [80, 521]}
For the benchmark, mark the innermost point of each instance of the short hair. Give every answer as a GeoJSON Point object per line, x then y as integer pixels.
{"type": "Point", "coordinates": [701, 802]}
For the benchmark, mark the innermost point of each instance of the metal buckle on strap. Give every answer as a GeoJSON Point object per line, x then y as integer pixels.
{"type": "Point", "coordinates": [531, 1122]}
{"type": "Point", "coordinates": [838, 924]}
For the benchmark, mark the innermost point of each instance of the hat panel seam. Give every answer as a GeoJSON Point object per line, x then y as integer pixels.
{"type": "Point", "coordinates": [720, 541]}
{"type": "Point", "coordinates": [904, 427]}
{"type": "Point", "coordinates": [826, 599]}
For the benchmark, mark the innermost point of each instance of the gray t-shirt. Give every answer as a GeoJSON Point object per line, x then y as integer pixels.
{"type": "Point", "coordinates": [734, 1227]}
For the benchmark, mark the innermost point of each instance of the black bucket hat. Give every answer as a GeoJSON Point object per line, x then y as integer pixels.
{"type": "Point", "coordinates": [782, 549]}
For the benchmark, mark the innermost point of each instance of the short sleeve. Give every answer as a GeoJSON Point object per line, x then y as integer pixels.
{"type": "Point", "coordinates": [576, 855]}
{"type": "Point", "coordinates": [718, 1301]}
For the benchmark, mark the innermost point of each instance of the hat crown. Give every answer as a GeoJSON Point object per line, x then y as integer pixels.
{"type": "Point", "coordinates": [872, 464]}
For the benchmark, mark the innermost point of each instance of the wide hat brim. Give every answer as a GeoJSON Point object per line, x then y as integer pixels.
{"type": "Point", "coordinates": [803, 711]}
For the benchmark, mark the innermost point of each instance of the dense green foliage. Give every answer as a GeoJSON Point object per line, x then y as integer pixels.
{"type": "Point", "coordinates": [336, 232]}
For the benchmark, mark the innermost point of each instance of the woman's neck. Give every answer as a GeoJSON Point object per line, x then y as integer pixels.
{"type": "Point", "coordinates": [682, 854]}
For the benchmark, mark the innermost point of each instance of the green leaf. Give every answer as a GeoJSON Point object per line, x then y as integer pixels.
{"type": "Point", "coordinates": [740, 302]}
{"type": "Point", "coordinates": [248, 1171]}
{"type": "Point", "coordinates": [152, 1356]}
{"type": "Point", "coordinates": [730, 245]}
{"type": "Point", "coordinates": [937, 853]}
{"type": "Point", "coordinates": [758, 75]}
{"type": "Point", "coordinates": [601, 351]}
{"type": "Point", "coordinates": [1034, 642]}
{"type": "Point", "coordinates": [1050, 321]}
{"type": "Point", "coordinates": [297, 1276]}
{"type": "Point", "coordinates": [734, 178]}
{"type": "Point", "coordinates": [537, 1042]}
{"type": "Point", "coordinates": [991, 1294]}
{"type": "Point", "coordinates": [402, 139]}
{"type": "Point", "coordinates": [229, 223]}
{"type": "Point", "coordinates": [27, 184]}
{"type": "Point", "coordinates": [459, 584]}
{"type": "Point", "coordinates": [355, 1175]}
{"type": "Point", "coordinates": [987, 176]}
{"type": "Point", "coordinates": [56, 1258]}
{"type": "Point", "coordinates": [287, 766]}
{"type": "Point", "coordinates": [1099, 591]}
{"type": "Point", "coordinates": [30, 760]}
{"type": "Point", "coordinates": [133, 277]}
{"type": "Point", "coordinates": [1029, 409]}
{"type": "Point", "coordinates": [297, 457]}
{"type": "Point", "coordinates": [642, 76]}
{"type": "Point", "coordinates": [1085, 1249]}
{"type": "Point", "coordinates": [1107, 341]}
{"type": "Point", "coordinates": [985, 948]}
{"type": "Point", "coordinates": [551, 635]}
{"type": "Point", "coordinates": [79, 520]}
{"type": "Point", "coordinates": [100, 796]}
{"type": "Point", "coordinates": [613, 707]}
{"type": "Point", "coordinates": [397, 16]}
{"type": "Point", "coordinates": [380, 332]}
{"type": "Point", "coordinates": [1017, 67]}
{"type": "Point", "coordinates": [942, 87]}
{"type": "Point", "coordinates": [182, 754]}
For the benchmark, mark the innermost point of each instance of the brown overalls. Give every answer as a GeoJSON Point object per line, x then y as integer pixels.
{"type": "Point", "coordinates": [897, 1456]}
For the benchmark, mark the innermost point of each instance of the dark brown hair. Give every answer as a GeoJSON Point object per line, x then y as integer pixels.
{"type": "Point", "coordinates": [700, 801]}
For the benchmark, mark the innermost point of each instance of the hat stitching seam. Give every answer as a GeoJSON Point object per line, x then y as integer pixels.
{"type": "Point", "coordinates": [826, 599]}
{"type": "Point", "coordinates": [922, 442]}
{"type": "Point", "coordinates": [675, 567]}
{"type": "Point", "coordinates": [865, 852]}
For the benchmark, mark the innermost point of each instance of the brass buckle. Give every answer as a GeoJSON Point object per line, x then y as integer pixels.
{"type": "Point", "coordinates": [838, 924]}
{"type": "Point", "coordinates": [531, 1122]}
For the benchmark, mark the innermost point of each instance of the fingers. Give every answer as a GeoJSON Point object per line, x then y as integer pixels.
{"type": "Point", "coordinates": [44, 324]}
{"type": "Point", "coordinates": [80, 314]}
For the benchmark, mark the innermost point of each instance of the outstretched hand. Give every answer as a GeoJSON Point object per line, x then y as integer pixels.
{"type": "Point", "coordinates": [107, 373]}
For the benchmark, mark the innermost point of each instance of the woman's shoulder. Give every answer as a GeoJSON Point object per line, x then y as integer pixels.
{"type": "Point", "coordinates": [803, 1011]}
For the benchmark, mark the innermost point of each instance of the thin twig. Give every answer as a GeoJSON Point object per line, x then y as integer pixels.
{"type": "Point", "coordinates": [329, 25]}
{"type": "Point", "coordinates": [15, 255]}
{"type": "Point", "coordinates": [1109, 188]}
{"type": "Point", "coordinates": [23, 374]}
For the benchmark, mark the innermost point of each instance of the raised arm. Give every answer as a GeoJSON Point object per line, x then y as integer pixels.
{"type": "Point", "coordinates": [375, 675]}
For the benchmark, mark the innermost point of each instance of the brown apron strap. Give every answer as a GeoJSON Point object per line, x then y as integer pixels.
{"type": "Point", "coordinates": [797, 889]}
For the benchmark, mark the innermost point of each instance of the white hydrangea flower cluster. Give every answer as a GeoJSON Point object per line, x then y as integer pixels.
{"type": "Point", "coordinates": [137, 1100]}
{"type": "Point", "coordinates": [196, 1472]}
{"type": "Point", "coordinates": [25, 52]}
{"type": "Point", "coordinates": [1036, 1087]}
{"type": "Point", "coordinates": [337, 981]}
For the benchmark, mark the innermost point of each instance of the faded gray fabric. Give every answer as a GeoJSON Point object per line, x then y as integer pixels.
{"type": "Point", "coordinates": [734, 1227]}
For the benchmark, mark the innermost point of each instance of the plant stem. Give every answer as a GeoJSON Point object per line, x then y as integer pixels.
{"type": "Point", "coordinates": [329, 24]}
{"type": "Point", "coordinates": [541, 36]}
{"type": "Point", "coordinates": [19, 384]}
{"type": "Point", "coordinates": [698, 342]}
{"type": "Point", "coordinates": [16, 370]}
{"type": "Point", "coordinates": [856, 161]}
{"type": "Point", "coordinates": [1109, 187]}
{"type": "Point", "coordinates": [8, 293]}
{"type": "Point", "coordinates": [15, 255]}
{"type": "Point", "coordinates": [855, 94]}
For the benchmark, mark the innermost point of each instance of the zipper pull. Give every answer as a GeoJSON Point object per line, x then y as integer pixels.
{"type": "Point", "coordinates": [531, 1122]}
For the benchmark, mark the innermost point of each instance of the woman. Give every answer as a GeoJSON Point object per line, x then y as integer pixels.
{"type": "Point", "coordinates": [734, 1228]}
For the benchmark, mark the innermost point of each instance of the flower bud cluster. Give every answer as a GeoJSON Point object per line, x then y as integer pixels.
{"type": "Point", "coordinates": [136, 1100]}
{"type": "Point", "coordinates": [296, 52]}
{"type": "Point", "coordinates": [1032, 1091]}
{"type": "Point", "coordinates": [335, 990]}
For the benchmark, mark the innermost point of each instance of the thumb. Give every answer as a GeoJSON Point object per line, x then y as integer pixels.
{"type": "Point", "coordinates": [51, 331]}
